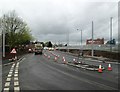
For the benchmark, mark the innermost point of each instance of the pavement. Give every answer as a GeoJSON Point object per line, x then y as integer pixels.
{"type": "Point", "coordinates": [38, 72]}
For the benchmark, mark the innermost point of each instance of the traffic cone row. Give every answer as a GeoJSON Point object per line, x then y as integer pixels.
{"type": "Point", "coordinates": [100, 70]}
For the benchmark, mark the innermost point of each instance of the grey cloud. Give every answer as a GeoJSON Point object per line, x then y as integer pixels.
{"type": "Point", "coordinates": [52, 19]}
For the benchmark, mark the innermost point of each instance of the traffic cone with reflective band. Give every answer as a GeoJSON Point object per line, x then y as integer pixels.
{"type": "Point", "coordinates": [63, 58]}
{"type": "Point", "coordinates": [74, 60]}
{"type": "Point", "coordinates": [109, 67]}
{"type": "Point", "coordinates": [48, 57]}
{"type": "Point", "coordinates": [44, 54]}
{"type": "Point", "coordinates": [55, 58]}
{"type": "Point", "coordinates": [100, 69]}
{"type": "Point", "coordinates": [64, 61]}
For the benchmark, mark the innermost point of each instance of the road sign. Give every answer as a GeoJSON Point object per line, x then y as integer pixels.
{"type": "Point", "coordinates": [13, 51]}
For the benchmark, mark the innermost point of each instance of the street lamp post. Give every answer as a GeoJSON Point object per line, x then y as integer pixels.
{"type": "Point", "coordinates": [111, 34]}
{"type": "Point", "coordinates": [81, 42]}
{"type": "Point", "coordinates": [68, 41]}
{"type": "Point", "coordinates": [92, 52]}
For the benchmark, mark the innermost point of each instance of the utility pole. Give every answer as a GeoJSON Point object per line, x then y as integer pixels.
{"type": "Point", "coordinates": [111, 34]}
{"type": "Point", "coordinates": [92, 41]}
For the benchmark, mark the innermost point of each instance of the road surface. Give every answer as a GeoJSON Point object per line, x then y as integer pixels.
{"type": "Point", "coordinates": [38, 72]}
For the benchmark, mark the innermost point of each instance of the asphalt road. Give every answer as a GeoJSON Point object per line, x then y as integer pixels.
{"type": "Point", "coordinates": [37, 72]}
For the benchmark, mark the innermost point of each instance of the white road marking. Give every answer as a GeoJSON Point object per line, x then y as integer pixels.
{"type": "Point", "coordinates": [6, 89]}
{"type": "Point", "coordinates": [16, 83]}
{"type": "Point", "coordinates": [7, 84]}
{"type": "Point", "coordinates": [16, 79]}
{"type": "Point", "coordinates": [16, 88]}
{"type": "Point", "coordinates": [14, 64]}
{"type": "Point", "coordinates": [17, 66]}
{"type": "Point", "coordinates": [9, 75]}
{"type": "Point", "coordinates": [10, 72]}
{"type": "Point", "coordinates": [22, 60]}
{"type": "Point", "coordinates": [15, 75]}
{"type": "Point", "coordinates": [8, 79]}
{"type": "Point", "coordinates": [16, 71]}
{"type": "Point", "coordinates": [18, 63]}
{"type": "Point", "coordinates": [11, 68]}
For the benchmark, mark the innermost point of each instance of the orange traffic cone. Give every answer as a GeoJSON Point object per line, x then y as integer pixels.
{"type": "Point", "coordinates": [55, 58]}
{"type": "Point", "coordinates": [74, 61]}
{"type": "Point", "coordinates": [109, 67]}
{"type": "Point", "coordinates": [100, 69]}
{"type": "Point", "coordinates": [48, 57]}
{"type": "Point", "coordinates": [63, 59]}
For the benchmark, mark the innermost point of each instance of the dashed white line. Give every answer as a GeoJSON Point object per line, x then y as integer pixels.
{"type": "Point", "coordinates": [16, 79]}
{"type": "Point", "coordinates": [8, 79]}
{"type": "Point", "coordinates": [7, 84]}
{"type": "Point", "coordinates": [16, 71]}
{"type": "Point", "coordinates": [16, 75]}
{"type": "Point", "coordinates": [16, 83]}
{"type": "Point", "coordinates": [16, 88]}
{"type": "Point", "coordinates": [10, 72]}
{"type": "Point", "coordinates": [9, 75]}
{"type": "Point", "coordinates": [6, 89]}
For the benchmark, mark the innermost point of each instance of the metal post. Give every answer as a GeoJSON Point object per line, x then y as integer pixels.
{"type": "Point", "coordinates": [81, 37]}
{"type": "Point", "coordinates": [92, 41]}
{"type": "Point", "coordinates": [110, 34]}
{"type": "Point", "coordinates": [68, 41]}
{"type": "Point", "coordinates": [3, 43]}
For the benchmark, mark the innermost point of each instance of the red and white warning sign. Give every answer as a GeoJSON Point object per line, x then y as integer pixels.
{"type": "Point", "coordinates": [13, 51]}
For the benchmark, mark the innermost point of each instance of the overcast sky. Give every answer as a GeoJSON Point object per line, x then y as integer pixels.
{"type": "Point", "coordinates": [52, 20]}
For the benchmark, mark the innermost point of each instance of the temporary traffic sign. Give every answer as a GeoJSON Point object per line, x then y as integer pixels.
{"type": "Point", "coordinates": [13, 51]}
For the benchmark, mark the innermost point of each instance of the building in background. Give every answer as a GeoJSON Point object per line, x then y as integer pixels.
{"type": "Point", "coordinates": [95, 41]}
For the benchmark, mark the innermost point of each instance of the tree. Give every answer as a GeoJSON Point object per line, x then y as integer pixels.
{"type": "Point", "coordinates": [48, 44]}
{"type": "Point", "coordinates": [16, 30]}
